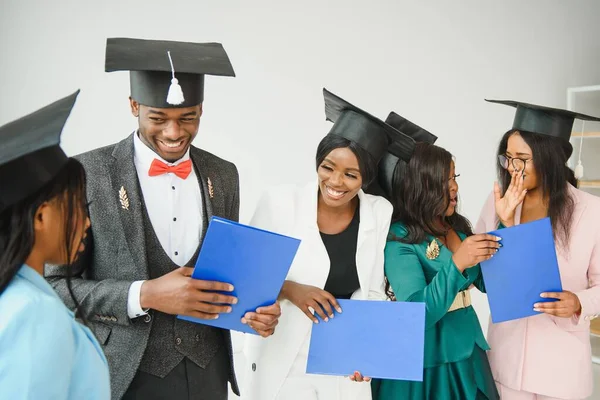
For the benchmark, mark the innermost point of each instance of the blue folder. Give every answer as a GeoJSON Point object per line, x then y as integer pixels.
{"type": "Point", "coordinates": [380, 339]}
{"type": "Point", "coordinates": [253, 260]}
{"type": "Point", "coordinates": [525, 267]}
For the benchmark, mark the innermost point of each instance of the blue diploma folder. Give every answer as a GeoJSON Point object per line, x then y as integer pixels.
{"type": "Point", "coordinates": [380, 339]}
{"type": "Point", "coordinates": [253, 260]}
{"type": "Point", "coordinates": [525, 267]}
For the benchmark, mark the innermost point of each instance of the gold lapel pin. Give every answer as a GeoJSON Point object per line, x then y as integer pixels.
{"type": "Point", "coordinates": [211, 192]}
{"type": "Point", "coordinates": [433, 250]}
{"type": "Point", "coordinates": [123, 198]}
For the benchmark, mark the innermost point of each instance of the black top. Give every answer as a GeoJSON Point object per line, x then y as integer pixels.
{"type": "Point", "coordinates": [342, 281]}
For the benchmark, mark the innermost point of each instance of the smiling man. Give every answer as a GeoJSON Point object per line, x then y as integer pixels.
{"type": "Point", "coordinates": [152, 196]}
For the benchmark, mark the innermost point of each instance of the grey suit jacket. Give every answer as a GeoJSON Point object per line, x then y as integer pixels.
{"type": "Point", "coordinates": [115, 253]}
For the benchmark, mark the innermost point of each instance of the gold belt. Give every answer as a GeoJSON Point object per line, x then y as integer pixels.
{"type": "Point", "coordinates": [462, 300]}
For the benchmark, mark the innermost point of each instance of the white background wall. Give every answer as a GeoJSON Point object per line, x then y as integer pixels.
{"type": "Point", "coordinates": [431, 61]}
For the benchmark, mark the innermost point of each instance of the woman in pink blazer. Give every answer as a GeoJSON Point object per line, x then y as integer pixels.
{"type": "Point", "coordinates": [547, 356]}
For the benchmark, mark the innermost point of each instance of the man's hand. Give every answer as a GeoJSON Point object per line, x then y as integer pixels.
{"type": "Point", "coordinates": [177, 293]}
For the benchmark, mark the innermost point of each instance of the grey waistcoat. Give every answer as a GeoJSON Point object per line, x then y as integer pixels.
{"type": "Point", "coordinates": [172, 339]}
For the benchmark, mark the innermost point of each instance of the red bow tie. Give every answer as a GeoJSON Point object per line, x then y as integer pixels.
{"type": "Point", "coordinates": [182, 169]}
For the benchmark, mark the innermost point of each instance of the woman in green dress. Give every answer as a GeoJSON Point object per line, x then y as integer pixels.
{"type": "Point", "coordinates": [433, 257]}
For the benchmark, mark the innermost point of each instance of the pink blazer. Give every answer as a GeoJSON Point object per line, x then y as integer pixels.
{"type": "Point", "coordinates": [544, 354]}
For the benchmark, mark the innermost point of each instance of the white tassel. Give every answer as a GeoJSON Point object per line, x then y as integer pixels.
{"type": "Point", "coordinates": [579, 171]}
{"type": "Point", "coordinates": [579, 167]}
{"type": "Point", "coordinates": [175, 95]}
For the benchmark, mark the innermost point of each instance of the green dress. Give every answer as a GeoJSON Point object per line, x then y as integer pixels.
{"type": "Point", "coordinates": [455, 364]}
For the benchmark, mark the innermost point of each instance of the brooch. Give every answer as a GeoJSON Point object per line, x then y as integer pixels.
{"type": "Point", "coordinates": [433, 250]}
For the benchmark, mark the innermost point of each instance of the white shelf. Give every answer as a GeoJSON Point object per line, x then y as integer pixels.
{"type": "Point", "coordinates": [582, 89]}
{"type": "Point", "coordinates": [586, 135]}
{"type": "Point", "coordinates": [583, 184]}
{"type": "Point", "coordinates": [578, 97]}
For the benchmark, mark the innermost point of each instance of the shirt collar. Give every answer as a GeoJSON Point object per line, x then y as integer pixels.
{"type": "Point", "coordinates": [144, 155]}
{"type": "Point", "coordinates": [32, 276]}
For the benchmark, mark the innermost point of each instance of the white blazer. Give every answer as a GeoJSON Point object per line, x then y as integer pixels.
{"type": "Point", "coordinates": [292, 211]}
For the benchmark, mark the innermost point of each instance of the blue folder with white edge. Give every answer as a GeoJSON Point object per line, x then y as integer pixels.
{"type": "Point", "coordinates": [253, 260]}
{"type": "Point", "coordinates": [523, 268]}
{"type": "Point", "coordinates": [380, 339]}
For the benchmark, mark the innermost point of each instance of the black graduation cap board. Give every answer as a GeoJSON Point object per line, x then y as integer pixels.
{"type": "Point", "coordinates": [369, 132]}
{"type": "Point", "coordinates": [390, 163]}
{"type": "Point", "coordinates": [30, 154]}
{"type": "Point", "coordinates": [544, 120]}
{"type": "Point", "coordinates": [167, 74]}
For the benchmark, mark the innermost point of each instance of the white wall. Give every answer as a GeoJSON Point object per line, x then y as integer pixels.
{"type": "Point", "coordinates": [432, 62]}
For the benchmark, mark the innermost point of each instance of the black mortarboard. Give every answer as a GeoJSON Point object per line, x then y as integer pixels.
{"type": "Point", "coordinates": [390, 164]}
{"type": "Point", "coordinates": [544, 120]}
{"type": "Point", "coordinates": [30, 155]}
{"type": "Point", "coordinates": [369, 132]}
{"type": "Point", "coordinates": [167, 74]}
{"type": "Point", "coordinates": [410, 129]}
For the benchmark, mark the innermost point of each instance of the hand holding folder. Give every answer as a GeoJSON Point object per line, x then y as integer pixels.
{"type": "Point", "coordinates": [253, 260]}
{"type": "Point", "coordinates": [566, 304]}
{"type": "Point", "coordinates": [525, 267]}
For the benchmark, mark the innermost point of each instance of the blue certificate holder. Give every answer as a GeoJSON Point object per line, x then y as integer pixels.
{"type": "Point", "coordinates": [380, 339]}
{"type": "Point", "coordinates": [525, 267]}
{"type": "Point", "coordinates": [253, 260]}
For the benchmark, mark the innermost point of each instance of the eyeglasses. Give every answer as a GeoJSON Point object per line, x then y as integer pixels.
{"type": "Point", "coordinates": [518, 164]}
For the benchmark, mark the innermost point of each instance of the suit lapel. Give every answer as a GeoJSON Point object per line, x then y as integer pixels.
{"type": "Point", "coordinates": [213, 200]}
{"type": "Point", "coordinates": [313, 263]}
{"type": "Point", "coordinates": [127, 192]}
{"type": "Point", "coordinates": [365, 246]}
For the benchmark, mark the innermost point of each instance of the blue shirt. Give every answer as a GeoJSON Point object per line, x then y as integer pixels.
{"type": "Point", "coordinates": [44, 352]}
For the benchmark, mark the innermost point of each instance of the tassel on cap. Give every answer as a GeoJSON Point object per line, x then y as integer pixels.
{"type": "Point", "coordinates": [579, 171]}
{"type": "Point", "coordinates": [175, 95]}
{"type": "Point", "coordinates": [579, 167]}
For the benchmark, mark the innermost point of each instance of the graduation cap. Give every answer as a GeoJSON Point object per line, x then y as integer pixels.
{"type": "Point", "coordinates": [369, 132]}
{"type": "Point", "coordinates": [410, 129]}
{"type": "Point", "coordinates": [30, 155]}
{"type": "Point", "coordinates": [167, 74]}
{"type": "Point", "coordinates": [390, 164]}
{"type": "Point", "coordinates": [546, 121]}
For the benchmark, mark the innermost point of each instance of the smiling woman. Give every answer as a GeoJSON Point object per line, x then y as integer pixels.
{"type": "Point", "coordinates": [343, 232]}
{"type": "Point", "coordinates": [343, 168]}
{"type": "Point", "coordinates": [551, 350]}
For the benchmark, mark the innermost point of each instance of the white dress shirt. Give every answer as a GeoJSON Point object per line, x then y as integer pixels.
{"type": "Point", "coordinates": [174, 206]}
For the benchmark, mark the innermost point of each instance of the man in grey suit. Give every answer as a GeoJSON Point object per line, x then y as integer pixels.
{"type": "Point", "coordinates": [151, 197]}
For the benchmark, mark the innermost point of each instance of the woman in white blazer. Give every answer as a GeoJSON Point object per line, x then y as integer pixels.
{"type": "Point", "coordinates": [343, 233]}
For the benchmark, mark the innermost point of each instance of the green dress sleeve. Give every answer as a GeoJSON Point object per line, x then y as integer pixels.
{"type": "Point", "coordinates": [405, 273]}
{"type": "Point", "coordinates": [479, 283]}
